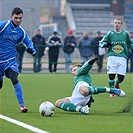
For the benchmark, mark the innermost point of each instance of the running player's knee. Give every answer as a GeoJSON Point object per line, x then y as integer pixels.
{"type": "Point", "coordinates": [111, 76]}
{"type": "Point", "coordinates": [0, 85]}
{"type": "Point", "coordinates": [120, 78]}
{"type": "Point", "coordinates": [14, 79]}
{"type": "Point", "coordinates": [12, 75]}
{"type": "Point", "coordinates": [84, 90]}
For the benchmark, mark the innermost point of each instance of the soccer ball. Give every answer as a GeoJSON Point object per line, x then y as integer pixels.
{"type": "Point", "coordinates": [46, 109]}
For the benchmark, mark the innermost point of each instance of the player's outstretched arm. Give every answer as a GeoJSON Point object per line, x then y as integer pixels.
{"type": "Point", "coordinates": [92, 61]}
{"type": "Point", "coordinates": [86, 67]}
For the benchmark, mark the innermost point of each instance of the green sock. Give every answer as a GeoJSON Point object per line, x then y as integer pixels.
{"type": "Point", "coordinates": [68, 107]}
{"type": "Point", "coordinates": [111, 90]}
{"type": "Point", "coordinates": [117, 81]}
{"type": "Point", "coordinates": [96, 90]}
{"type": "Point", "coordinates": [111, 83]}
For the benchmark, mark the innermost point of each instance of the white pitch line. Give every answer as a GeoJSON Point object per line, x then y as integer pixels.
{"type": "Point", "coordinates": [34, 129]}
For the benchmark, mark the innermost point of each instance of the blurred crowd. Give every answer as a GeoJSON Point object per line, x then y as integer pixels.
{"type": "Point", "coordinates": [87, 45]}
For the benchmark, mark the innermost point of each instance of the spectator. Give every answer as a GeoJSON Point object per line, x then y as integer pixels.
{"type": "Point", "coordinates": [39, 44]}
{"type": "Point", "coordinates": [85, 47]}
{"type": "Point", "coordinates": [69, 45]}
{"type": "Point", "coordinates": [98, 51]}
{"type": "Point", "coordinates": [20, 54]}
{"type": "Point", "coordinates": [54, 43]}
{"type": "Point", "coordinates": [130, 56]}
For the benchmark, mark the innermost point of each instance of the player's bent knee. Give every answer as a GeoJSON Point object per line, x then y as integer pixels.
{"type": "Point", "coordinates": [84, 90]}
{"type": "Point", "coordinates": [60, 101]}
{"type": "Point", "coordinates": [57, 103]}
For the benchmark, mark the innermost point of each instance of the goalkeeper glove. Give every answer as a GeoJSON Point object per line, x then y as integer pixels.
{"type": "Point", "coordinates": [93, 60]}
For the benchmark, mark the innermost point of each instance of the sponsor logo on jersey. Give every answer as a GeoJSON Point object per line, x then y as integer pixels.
{"type": "Point", "coordinates": [13, 37]}
{"type": "Point", "coordinates": [117, 49]}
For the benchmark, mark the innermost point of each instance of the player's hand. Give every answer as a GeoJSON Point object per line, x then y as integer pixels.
{"type": "Point", "coordinates": [33, 54]}
{"type": "Point", "coordinates": [93, 60]}
{"type": "Point", "coordinates": [108, 45]}
{"type": "Point", "coordinates": [30, 51]}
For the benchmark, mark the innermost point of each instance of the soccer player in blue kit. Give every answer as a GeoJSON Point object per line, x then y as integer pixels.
{"type": "Point", "coordinates": [11, 34]}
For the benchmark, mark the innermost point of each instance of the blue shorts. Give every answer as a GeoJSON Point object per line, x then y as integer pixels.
{"type": "Point", "coordinates": [8, 64]}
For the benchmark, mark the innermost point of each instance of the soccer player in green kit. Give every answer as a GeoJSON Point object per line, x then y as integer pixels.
{"type": "Point", "coordinates": [83, 90]}
{"type": "Point", "coordinates": [118, 43]}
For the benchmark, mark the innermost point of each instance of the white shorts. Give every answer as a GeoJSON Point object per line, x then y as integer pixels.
{"type": "Point", "coordinates": [116, 65]}
{"type": "Point", "coordinates": [77, 98]}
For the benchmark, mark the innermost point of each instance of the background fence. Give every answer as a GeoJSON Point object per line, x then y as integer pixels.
{"type": "Point", "coordinates": [28, 62]}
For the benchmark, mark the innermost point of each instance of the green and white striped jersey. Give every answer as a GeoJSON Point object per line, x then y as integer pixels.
{"type": "Point", "coordinates": [120, 41]}
{"type": "Point", "coordinates": [83, 74]}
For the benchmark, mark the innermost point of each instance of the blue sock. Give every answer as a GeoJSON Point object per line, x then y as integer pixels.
{"type": "Point", "coordinates": [19, 93]}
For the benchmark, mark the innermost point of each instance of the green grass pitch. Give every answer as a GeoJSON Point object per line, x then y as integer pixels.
{"type": "Point", "coordinates": [105, 115]}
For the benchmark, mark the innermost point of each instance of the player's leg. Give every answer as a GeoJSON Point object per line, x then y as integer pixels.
{"type": "Point", "coordinates": [1, 75]}
{"type": "Point", "coordinates": [91, 100]}
{"type": "Point", "coordinates": [112, 71]}
{"type": "Point", "coordinates": [1, 83]}
{"type": "Point", "coordinates": [111, 80]}
{"type": "Point", "coordinates": [96, 90]}
{"type": "Point", "coordinates": [66, 105]}
{"type": "Point", "coordinates": [119, 80]}
{"type": "Point", "coordinates": [90, 90]}
{"type": "Point", "coordinates": [121, 71]}
{"type": "Point", "coordinates": [17, 87]}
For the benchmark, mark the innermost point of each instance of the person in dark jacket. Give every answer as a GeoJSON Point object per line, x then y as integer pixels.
{"type": "Point", "coordinates": [20, 54]}
{"type": "Point", "coordinates": [68, 48]}
{"type": "Point", "coordinates": [98, 52]}
{"type": "Point", "coordinates": [85, 47]}
{"type": "Point", "coordinates": [54, 43]}
{"type": "Point", "coordinates": [39, 44]}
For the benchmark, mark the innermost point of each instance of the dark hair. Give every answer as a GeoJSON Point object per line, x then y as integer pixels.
{"type": "Point", "coordinates": [76, 65]}
{"type": "Point", "coordinates": [55, 32]}
{"type": "Point", "coordinates": [17, 11]}
{"type": "Point", "coordinates": [98, 32]}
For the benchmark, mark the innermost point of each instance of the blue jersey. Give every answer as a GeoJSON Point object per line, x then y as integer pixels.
{"type": "Point", "coordinates": [10, 36]}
